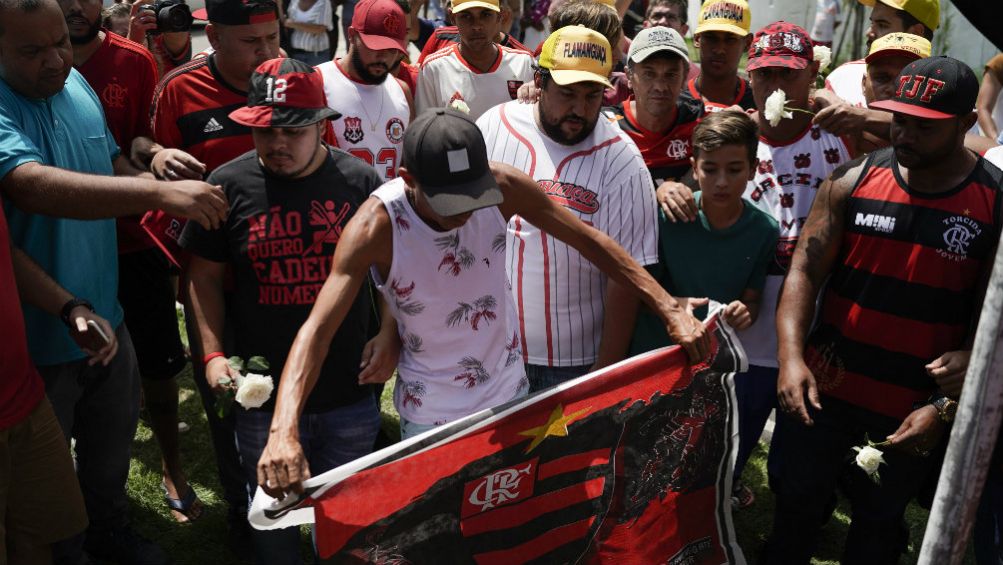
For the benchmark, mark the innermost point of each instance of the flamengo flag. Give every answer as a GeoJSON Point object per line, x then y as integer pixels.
{"type": "Point", "coordinates": [628, 465]}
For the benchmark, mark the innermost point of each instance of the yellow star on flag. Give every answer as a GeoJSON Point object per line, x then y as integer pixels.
{"type": "Point", "coordinates": [557, 425]}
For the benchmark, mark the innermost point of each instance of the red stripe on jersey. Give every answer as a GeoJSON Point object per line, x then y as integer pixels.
{"type": "Point", "coordinates": [546, 298]}
{"type": "Point", "coordinates": [507, 517]}
{"type": "Point", "coordinates": [573, 462]}
{"type": "Point", "coordinates": [691, 85]}
{"type": "Point", "coordinates": [521, 139]}
{"type": "Point", "coordinates": [537, 547]}
{"type": "Point", "coordinates": [888, 331]}
{"type": "Point", "coordinates": [884, 398]}
{"type": "Point", "coordinates": [518, 291]}
{"type": "Point", "coordinates": [880, 184]}
{"type": "Point", "coordinates": [887, 257]}
{"type": "Point", "coordinates": [560, 167]}
{"type": "Point", "coordinates": [494, 66]}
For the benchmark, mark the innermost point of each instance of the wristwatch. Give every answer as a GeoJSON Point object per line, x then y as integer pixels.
{"type": "Point", "coordinates": [64, 313]}
{"type": "Point", "coordinates": [946, 409]}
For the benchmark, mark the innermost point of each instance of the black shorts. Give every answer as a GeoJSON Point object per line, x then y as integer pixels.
{"type": "Point", "coordinates": [147, 296]}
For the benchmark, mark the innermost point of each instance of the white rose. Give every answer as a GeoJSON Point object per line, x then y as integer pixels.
{"type": "Point", "coordinates": [254, 390]}
{"type": "Point", "coordinates": [868, 459]}
{"type": "Point", "coordinates": [459, 106]}
{"type": "Point", "coordinates": [823, 55]}
{"type": "Point", "coordinates": [774, 110]}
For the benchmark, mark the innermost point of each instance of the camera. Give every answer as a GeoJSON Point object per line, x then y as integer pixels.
{"type": "Point", "coordinates": [172, 16]}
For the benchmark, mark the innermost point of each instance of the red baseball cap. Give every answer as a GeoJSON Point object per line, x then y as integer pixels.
{"type": "Point", "coordinates": [780, 44]}
{"type": "Point", "coordinates": [381, 24]}
{"type": "Point", "coordinates": [284, 93]}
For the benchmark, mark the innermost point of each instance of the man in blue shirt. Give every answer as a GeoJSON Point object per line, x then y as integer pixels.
{"type": "Point", "coordinates": [56, 158]}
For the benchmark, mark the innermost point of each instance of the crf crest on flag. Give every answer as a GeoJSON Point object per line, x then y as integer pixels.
{"type": "Point", "coordinates": [628, 465]}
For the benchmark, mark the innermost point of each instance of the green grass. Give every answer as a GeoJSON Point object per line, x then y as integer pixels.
{"type": "Point", "coordinates": [204, 542]}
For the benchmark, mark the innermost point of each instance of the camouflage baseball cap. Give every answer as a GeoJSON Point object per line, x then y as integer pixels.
{"type": "Point", "coordinates": [780, 44]}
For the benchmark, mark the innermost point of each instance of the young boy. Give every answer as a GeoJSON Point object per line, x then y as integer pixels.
{"type": "Point", "coordinates": [723, 255]}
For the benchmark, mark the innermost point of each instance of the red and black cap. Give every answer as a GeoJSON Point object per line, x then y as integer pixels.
{"type": "Point", "coordinates": [284, 93]}
{"type": "Point", "coordinates": [935, 88]}
{"type": "Point", "coordinates": [237, 12]}
{"type": "Point", "coordinates": [780, 44]}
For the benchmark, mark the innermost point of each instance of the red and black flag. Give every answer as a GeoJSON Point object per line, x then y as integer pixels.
{"type": "Point", "coordinates": [631, 464]}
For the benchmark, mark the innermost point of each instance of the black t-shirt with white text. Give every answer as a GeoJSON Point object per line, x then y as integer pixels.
{"type": "Point", "coordinates": [279, 239]}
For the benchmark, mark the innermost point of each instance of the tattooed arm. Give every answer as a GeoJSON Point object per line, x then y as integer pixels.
{"type": "Point", "coordinates": [813, 259]}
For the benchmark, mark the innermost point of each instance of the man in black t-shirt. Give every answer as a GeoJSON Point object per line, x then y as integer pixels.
{"type": "Point", "coordinates": [289, 201]}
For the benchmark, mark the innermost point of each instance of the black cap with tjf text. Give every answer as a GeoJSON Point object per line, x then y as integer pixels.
{"type": "Point", "coordinates": [444, 151]}
{"type": "Point", "coordinates": [934, 88]}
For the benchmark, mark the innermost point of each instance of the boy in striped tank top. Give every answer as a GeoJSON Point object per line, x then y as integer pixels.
{"type": "Point", "coordinates": [906, 239]}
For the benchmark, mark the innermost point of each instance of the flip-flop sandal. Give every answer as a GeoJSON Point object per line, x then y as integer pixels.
{"type": "Point", "coordinates": [183, 505]}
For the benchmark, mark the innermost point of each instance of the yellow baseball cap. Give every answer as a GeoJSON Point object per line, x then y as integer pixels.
{"type": "Point", "coordinates": [906, 44]}
{"type": "Point", "coordinates": [577, 54]}
{"type": "Point", "coordinates": [732, 16]}
{"type": "Point", "coordinates": [926, 11]}
{"type": "Point", "coordinates": [460, 5]}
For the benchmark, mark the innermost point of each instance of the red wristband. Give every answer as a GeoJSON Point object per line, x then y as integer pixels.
{"type": "Point", "coordinates": [211, 356]}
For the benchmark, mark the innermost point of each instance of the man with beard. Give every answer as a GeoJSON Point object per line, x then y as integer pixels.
{"type": "Point", "coordinates": [722, 35]}
{"type": "Point", "coordinates": [476, 71]}
{"type": "Point", "coordinates": [376, 107]}
{"type": "Point", "coordinates": [905, 239]}
{"type": "Point", "coordinates": [190, 119]}
{"type": "Point", "coordinates": [145, 290]}
{"type": "Point", "coordinates": [57, 162]}
{"type": "Point", "coordinates": [291, 197]}
{"type": "Point", "coordinates": [918, 17]}
{"type": "Point", "coordinates": [595, 171]}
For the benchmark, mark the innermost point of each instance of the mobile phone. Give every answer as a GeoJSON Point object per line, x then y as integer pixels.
{"type": "Point", "coordinates": [97, 329]}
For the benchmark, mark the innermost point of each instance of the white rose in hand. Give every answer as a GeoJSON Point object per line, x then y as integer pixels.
{"type": "Point", "coordinates": [823, 55]}
{"type": "Point", "coordinates": [774, 110]}
{"type": "Point", "coordinates": [459, 106]}
{"type": "Point", "coordinates": [869, 458]}
{"type": "Point", "coordinates": [254, 390]}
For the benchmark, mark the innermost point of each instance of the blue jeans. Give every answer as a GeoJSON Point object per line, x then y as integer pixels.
{"type": "Point", "coordinates": [410, 429]}
{"type": "Point", "coordinates": [807, 462]}
{"type": "Point", "coordinates": [542, 376]}
{"type": "Point", "coordinates": [329, 439]}
{"type": "Point", "coordinates": [312, 58]}
{"type": "Point", "coordinates": [756, 394]}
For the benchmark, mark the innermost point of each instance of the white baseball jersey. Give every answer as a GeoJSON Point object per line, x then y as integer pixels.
{"type": "Point", "coordinates": [846, 81]}
{"type": "Point", "coordinates": [373, 118]}
{"type": "Point", "coordinates": [785, 185]}
{"type": "Point", "coordinates": [445, 76]}
{"type": "Point", "coordinates": [603, 181]}
{"type": "Point", "coordinates": [455, 317]}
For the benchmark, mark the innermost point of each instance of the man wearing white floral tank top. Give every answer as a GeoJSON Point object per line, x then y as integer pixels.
{"type": "Point", "coordinates": [433, 240]}
{"type": "Point", "coordinates": [794, 158]}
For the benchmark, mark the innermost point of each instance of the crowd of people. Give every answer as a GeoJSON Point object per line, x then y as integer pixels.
{"type": "Point", "coordinates": [535, 197]}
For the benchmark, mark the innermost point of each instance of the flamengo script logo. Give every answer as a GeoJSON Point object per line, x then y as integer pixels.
{"type": "Point", "coordinates": [571, 195]}
{"type": "Point", "coordinates": [499, 488]}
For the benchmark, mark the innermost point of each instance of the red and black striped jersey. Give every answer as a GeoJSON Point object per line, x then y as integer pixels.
{"type": "Point", "coordinates": [191, 111]}
{"type": "Point", "coordinates": [743, 96]}
{"type": "Point", "coordinates": [905, 287]}
{"type": "Point", "coordinates": [445, 36]}
{"type": "Point", "coordinates": [667, 155]}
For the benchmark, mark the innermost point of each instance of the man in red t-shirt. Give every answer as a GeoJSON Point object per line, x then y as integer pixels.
{"type": "Point", "coordinates": [123, 74]}
{"type": "Point", "coordinates": [191, 119]}
{"type": "Point", "coordinates": [39, 494]}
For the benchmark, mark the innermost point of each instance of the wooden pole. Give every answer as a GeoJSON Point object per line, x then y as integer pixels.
{"type": "Point", "coordinates": [972, 438]}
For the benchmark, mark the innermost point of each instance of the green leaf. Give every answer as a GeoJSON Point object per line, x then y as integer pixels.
{"type": "Point", "coordinates": [258, 364]}
{"type": "Point", "coordinates": [236, 363]}
{"type": "Point", "coordinates": [223, 404]}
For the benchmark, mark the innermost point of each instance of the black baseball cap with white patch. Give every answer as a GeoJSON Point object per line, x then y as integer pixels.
{"type": "Point", "coordinates": [444, 151]}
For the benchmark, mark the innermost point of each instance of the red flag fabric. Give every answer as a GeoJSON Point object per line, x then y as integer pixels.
{"type": "Point", "coordinates": [628, 465]}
